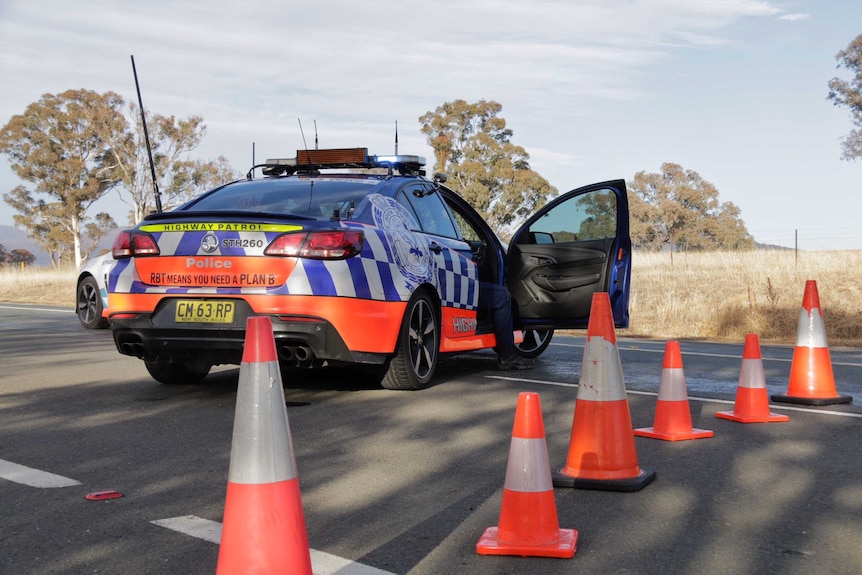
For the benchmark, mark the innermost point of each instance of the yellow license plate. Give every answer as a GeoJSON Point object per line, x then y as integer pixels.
{"type": "Point", "coordinates": [206, 311]}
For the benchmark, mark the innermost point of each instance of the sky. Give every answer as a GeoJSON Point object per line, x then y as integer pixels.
{"type": "Point", "coordinates": [594, 90]}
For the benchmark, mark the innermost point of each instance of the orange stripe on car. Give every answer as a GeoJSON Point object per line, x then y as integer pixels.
{"type": "Point", "coordinates": [364, 325]}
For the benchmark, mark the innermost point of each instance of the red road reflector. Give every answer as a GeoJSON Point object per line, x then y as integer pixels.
{"type": "Point", "coordinates": [102, 495]}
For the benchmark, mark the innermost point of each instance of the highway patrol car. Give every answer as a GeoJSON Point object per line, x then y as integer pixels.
{"type": "Point", "coordinates": [358, 259]}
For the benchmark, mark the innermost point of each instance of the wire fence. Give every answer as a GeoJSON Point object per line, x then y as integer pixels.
{"type": "Point", "coordinates": [810, 239]}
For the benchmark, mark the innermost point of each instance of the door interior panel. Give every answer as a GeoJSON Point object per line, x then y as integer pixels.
{"type": "Point", "coordinates": [558, 280]}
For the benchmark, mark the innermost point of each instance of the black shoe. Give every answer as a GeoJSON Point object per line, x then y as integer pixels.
{"type": "Point", "coordinates": [513, 362]}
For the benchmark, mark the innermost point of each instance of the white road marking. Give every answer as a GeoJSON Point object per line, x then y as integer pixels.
{"type": "Point", "coordinates": [704, 399]}
{"type": "Point", "coordinates": [59, 310]}
{"type": "Point", "coordinates": [725, 355]}
{"type": "Point", "coordinates": [33, 477]}
{"type": "Point", "coordinates": [194, 526]}
{"type": "Point", "coordinates": [321, 563]}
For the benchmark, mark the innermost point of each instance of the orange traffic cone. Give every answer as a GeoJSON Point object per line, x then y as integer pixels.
{"type": "Point", "coordinates": [752, 403]}
{"type": "Point", "coordinates": [811, 379]}
{"type": "Point", "coordinates": [264, 526]}
{"type": "Point", "coordinates": [602, 451]}
{"type": "Point", "coordinates": [672, 414]}
{"type": "Point", "coordinates": [528, 523]}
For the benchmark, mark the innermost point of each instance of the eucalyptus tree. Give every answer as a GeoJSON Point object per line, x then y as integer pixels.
{"type": "Point", "coordinates": [472, 146]}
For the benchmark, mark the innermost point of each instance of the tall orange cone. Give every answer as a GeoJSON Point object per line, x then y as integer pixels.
{"type": "Point", "coordinates": [264, 526]}
{"type": "Point", "coordinates": [811, 379]}
{"type": "Point", "coordinates": [672, 414]}
{"type": "Point", "coordinates": [528, 523]}
{"type": "Point", "coordinates": [602, 451]}
{"type": "Point", "coordinates": [752, 403]}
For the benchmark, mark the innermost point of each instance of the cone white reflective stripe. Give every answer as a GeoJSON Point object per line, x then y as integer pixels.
{"type": "Point", "coordinates": [751, 373]}
{"type": "Point", "coordinates": [529, 469]}
{"type": "Point", "coordinates": [601, 372]}
{"type": "Point", "coordinates": [262, 449]}
{"type": "Point", "coordinates": [812, 330]}
{"type": "Point", "coordinates": [671, 386]}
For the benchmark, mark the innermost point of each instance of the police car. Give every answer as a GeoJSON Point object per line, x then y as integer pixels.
{"type": "Point", "coordinates": [358, 260]}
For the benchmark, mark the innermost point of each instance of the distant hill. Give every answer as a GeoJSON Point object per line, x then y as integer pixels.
{"type": "Point", "coordinates": [12, 238]}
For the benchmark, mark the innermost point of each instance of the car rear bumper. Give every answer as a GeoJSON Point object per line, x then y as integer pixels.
{"type": "Point", "coordinates": [300, 340]}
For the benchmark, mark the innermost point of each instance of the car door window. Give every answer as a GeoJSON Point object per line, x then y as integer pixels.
{"type": "Point", "coordinates": [402, 198]}
{"type": "Point", "coordinates": [429, 209]}
{"type": "Point", "coordinates": [592, 216]}
{"type": "Point", "coordinates": [468, 232]}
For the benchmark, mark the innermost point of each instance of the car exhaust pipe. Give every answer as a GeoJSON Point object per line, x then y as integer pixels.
{"type": "Point", "coordinates": [302, 353]}
{"type": "Point", "coordinates": [286, 353]}
{"type": "Point", "coordinates": [134, 349]}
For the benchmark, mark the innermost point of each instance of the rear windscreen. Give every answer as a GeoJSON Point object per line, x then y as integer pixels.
{"type": "Point", "coordinates": [308, 197]}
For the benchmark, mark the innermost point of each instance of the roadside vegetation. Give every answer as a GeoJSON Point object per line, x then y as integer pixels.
{"type": "Point", "coordinates": [724, 295]}
{"type": "Point", "coordinates": [699, 295]}
{"type": "Point", "coordinates": [39, 285]}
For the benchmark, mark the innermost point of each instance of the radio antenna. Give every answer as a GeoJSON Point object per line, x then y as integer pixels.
{"type": "Point", "coordinates": [303, 134]}
{"type": "Point", "coordinates": [396, 137]}
{"type": "Point", "coordinates": [315, 134]}
{"type": "Point", "coordinates": [147, 139]}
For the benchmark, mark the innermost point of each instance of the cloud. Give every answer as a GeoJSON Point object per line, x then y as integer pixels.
{"type": "Point", "coordinates": [794, 17]}
{"type": "Point", "coordinates": [251, 69]}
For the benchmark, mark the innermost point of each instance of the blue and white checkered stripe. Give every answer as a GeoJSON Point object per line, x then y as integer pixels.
{"type": "Point", "coordinates": [457, 278]}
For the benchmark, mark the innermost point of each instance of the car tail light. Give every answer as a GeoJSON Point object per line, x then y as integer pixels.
{"type": "Point", "coordinates": [130, 243]}
{"type": "Point", "coordinates": [319, 245]}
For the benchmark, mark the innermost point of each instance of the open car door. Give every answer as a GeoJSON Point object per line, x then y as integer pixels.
{"type": "Point", "coordinates": [577, 245]}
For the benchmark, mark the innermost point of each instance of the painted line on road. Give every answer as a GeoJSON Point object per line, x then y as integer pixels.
{"type": "Point", "coordinates": [722, 355]}
{"type": "Point", "coordinates": [322, 563]}
{"type": "Point", "coordinates": [59, 310]}
{"type": "Point", "coordinates": [704, 399]}
{"type": "Point", "coordinates": [33, 477]}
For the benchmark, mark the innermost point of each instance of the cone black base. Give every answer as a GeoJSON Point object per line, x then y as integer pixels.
{"type": "Point", "coordinates": [628, 485]}
{"type": "Point", "coordinates": [812, 400]}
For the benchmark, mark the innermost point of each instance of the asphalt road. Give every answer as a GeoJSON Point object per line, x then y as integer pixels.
{"type": "Point", "coordinates": [406, 482]}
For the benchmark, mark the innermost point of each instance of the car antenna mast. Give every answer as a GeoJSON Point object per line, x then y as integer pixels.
{"type": "Point", "coordinates": [302, 133]}
{"type": "Point", "coordinates": [158, 196]}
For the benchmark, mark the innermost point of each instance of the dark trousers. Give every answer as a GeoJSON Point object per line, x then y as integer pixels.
{"type": "Point", "coordinates": [496, 299]}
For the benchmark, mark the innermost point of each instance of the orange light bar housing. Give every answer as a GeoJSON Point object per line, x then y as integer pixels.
{"type": "Point", "coordinates": [333, 156]}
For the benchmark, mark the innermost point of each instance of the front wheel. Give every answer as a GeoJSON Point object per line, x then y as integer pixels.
{"type": "Point", "coordinates": [536, 341]}
{"type": "Point", "coordinates": [177, 370]}
{"type": "Point", "coordinates": [417, 348]}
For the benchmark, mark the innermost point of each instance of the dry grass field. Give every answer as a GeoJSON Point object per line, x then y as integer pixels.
{"type": "Point", "coordinates": [719, 296]}
{"type": "Point", "coordinates": [42, 285]}
{"type": "Point", "coordinates": [725, 295]}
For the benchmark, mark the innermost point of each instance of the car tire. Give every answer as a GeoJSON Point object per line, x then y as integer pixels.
{"type": "Point", "coordinates": [177, 370]}
{"type": "Point", "coordinates": [536, 341]}
{"type": "Point", "coordinates": [418, 346]}
{"type": "Point", "coordinates": [88, 304]}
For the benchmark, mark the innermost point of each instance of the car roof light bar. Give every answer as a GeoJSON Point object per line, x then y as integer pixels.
{"type": "Point", "coordinates": [308, 161]}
